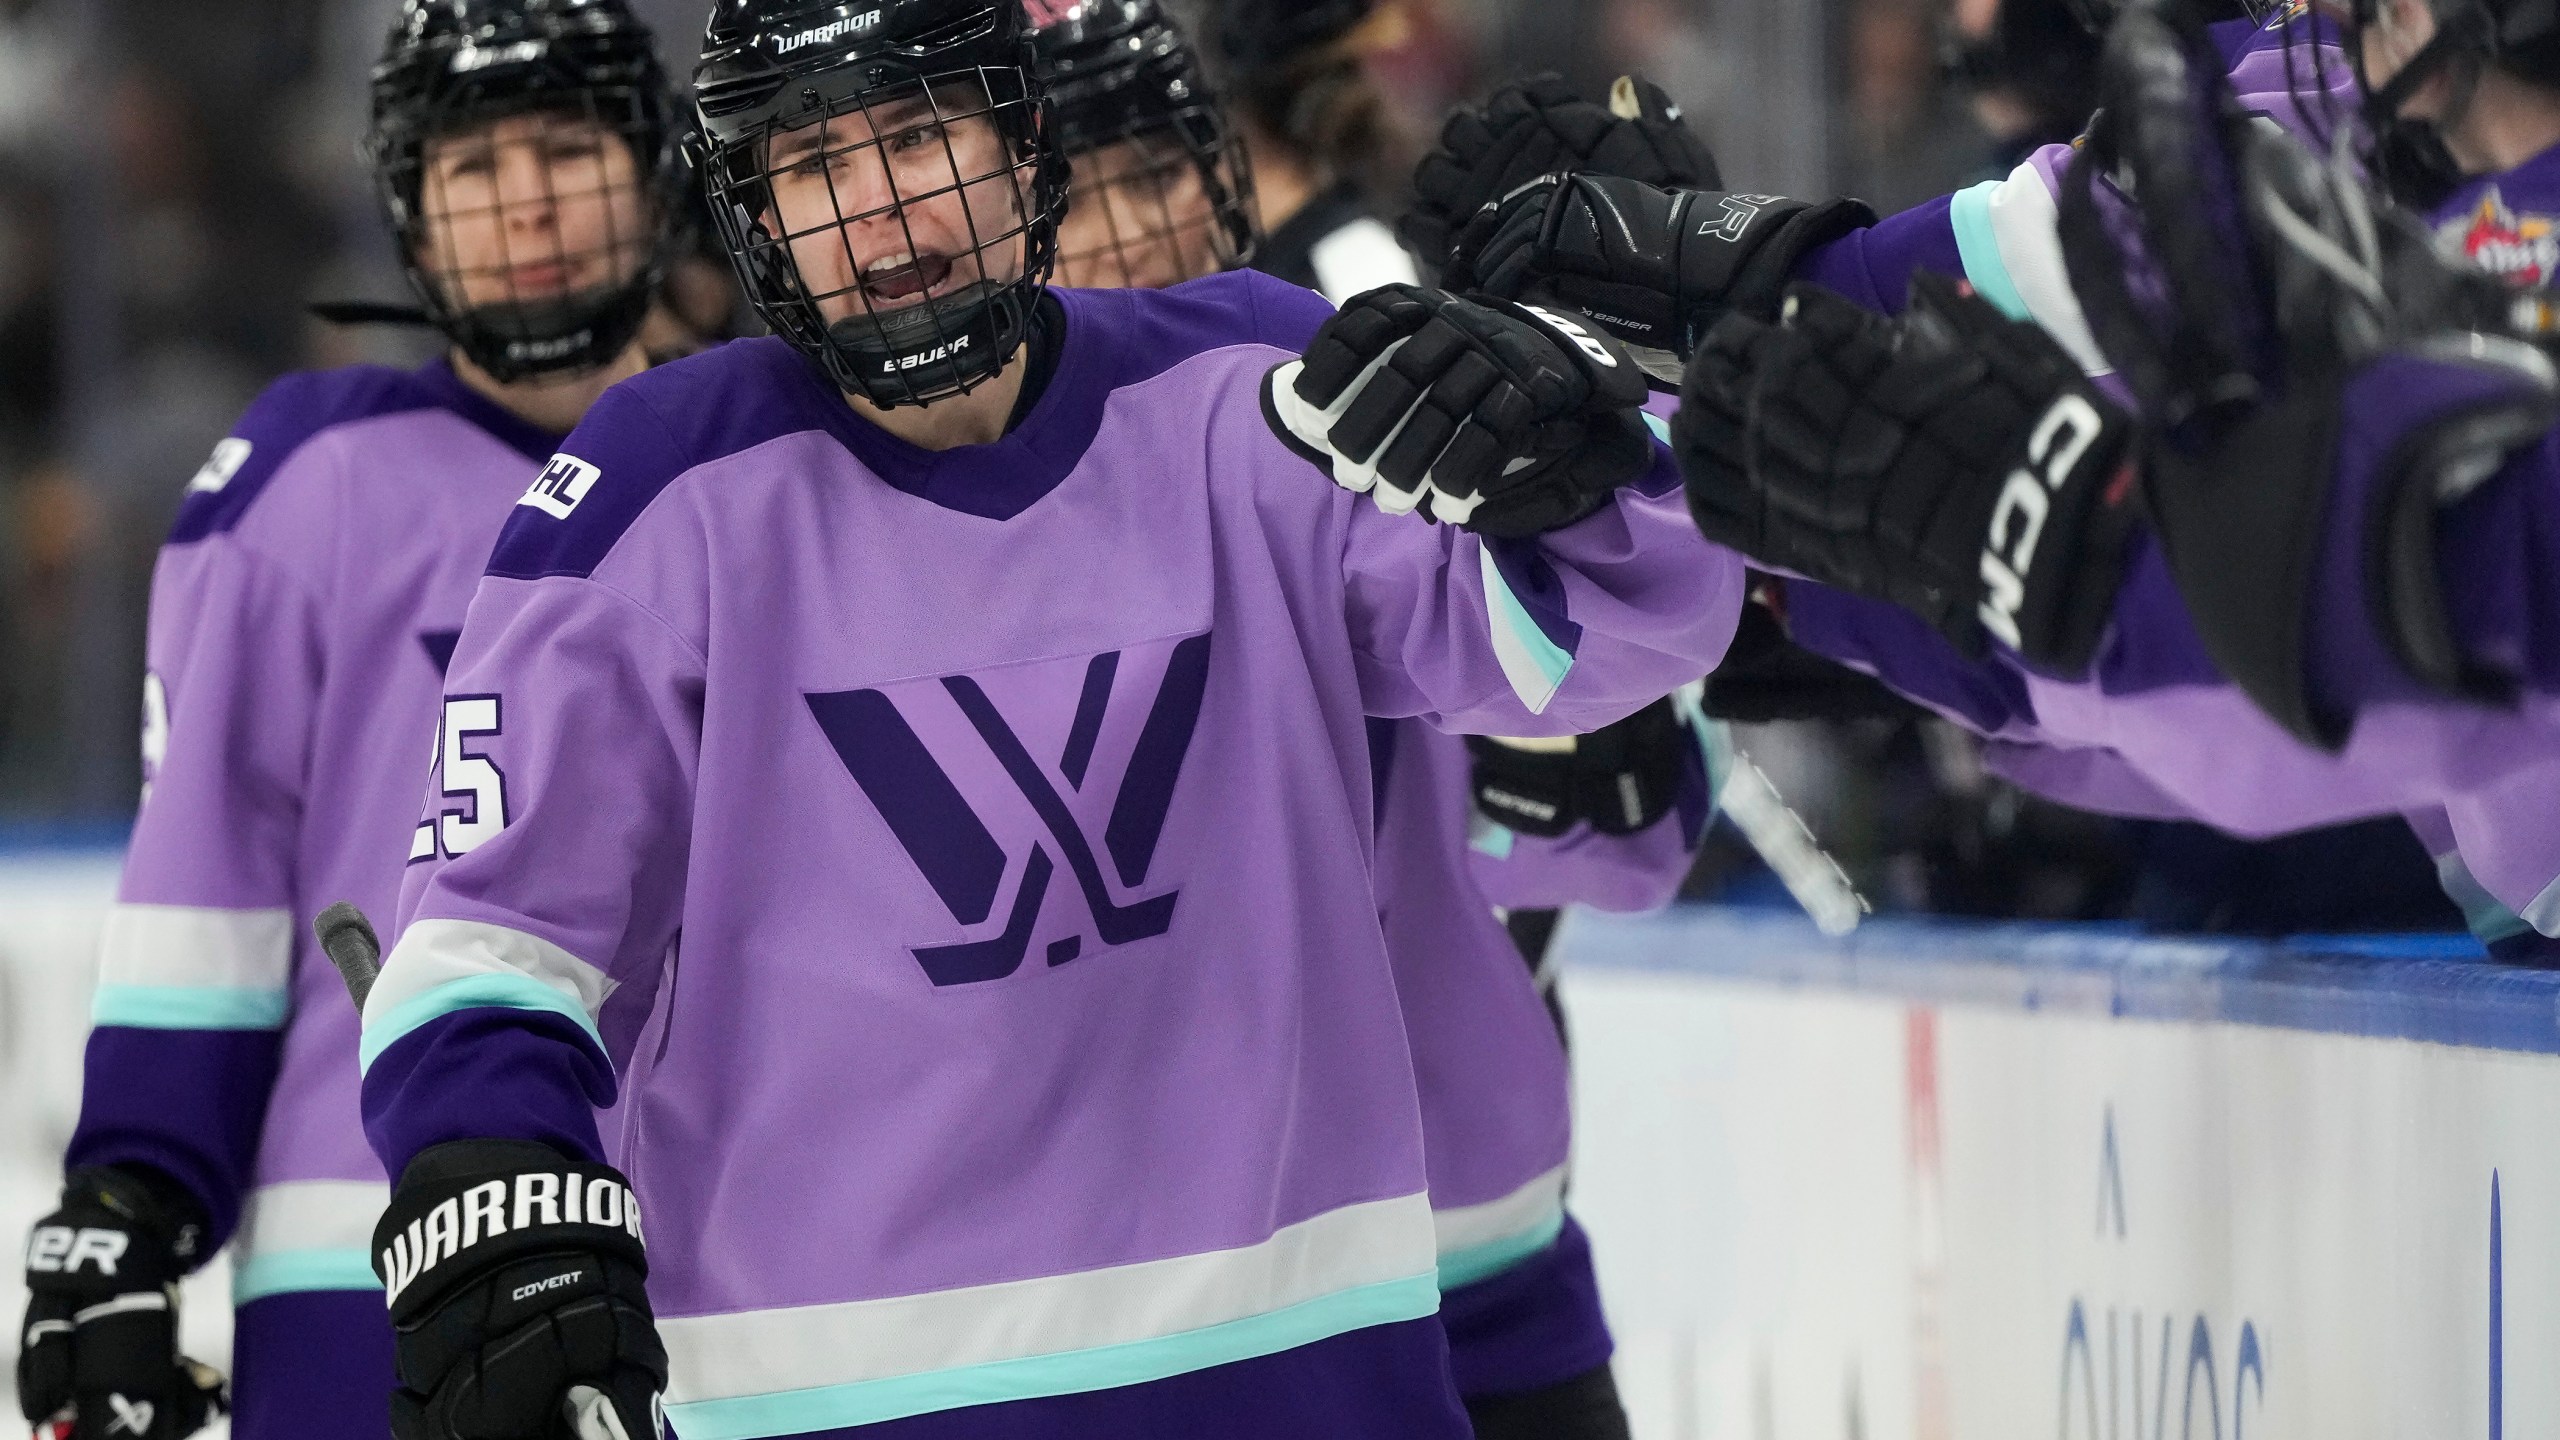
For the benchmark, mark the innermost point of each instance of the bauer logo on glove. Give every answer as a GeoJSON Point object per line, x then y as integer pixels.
{"type": "Point", "coordinates": [1509, 420]}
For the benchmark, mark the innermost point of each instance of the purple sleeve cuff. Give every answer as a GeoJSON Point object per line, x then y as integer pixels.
{"type": "Point", "coordinates": [1873, 267]}
{"type": "Point", "coordinates": [188, 1103]}
{"type": "Point", "coordinates": [487, 1074]}
{"type": "Point", "coordinates": [1899, 648]}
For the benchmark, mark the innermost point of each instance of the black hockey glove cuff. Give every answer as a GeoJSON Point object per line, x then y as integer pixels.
{"type": "Point", "coordinates": [515, 1279]}
{"type": "Point", "coordinates": [1951, 461]}
{"type": "Point", "coordinates": [1541, 127]}
{"type": "Point", "coordinates": [1507, 419]}
{"type": "Point", "coordinates": [1655, 267]}
{"type": "Point", "coordinates": [1619, 779]}
{"type": "Point", "coordinates": [101, 1333]}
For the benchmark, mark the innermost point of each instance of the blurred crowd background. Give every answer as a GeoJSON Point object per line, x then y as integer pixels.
{"type": "Point", "coordinates": [179, 180]}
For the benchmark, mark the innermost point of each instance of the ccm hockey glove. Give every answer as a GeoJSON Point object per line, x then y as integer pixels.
{"type": "Point", "coordinates": [101, 1356]}
{"type": "Point", "coordinates": [1619, 779]}
{"type": "Point", "coordinates": [1540, 128]}
{"type": "Point", "coordinates": [1509, 420]}
{"type": "Point", "coordinates": [1654, 267]}
{"type": "Point", "coordinates": [514, 1277]}
{"type": "Point", "coordinates": [1952, 461]}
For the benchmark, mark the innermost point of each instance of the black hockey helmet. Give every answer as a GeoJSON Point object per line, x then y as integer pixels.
{"type": "Point", "coordinates": [453, 66]}
{"type": "Point", "coordinates": [1161, 173]}
{"type": "Point", "coordinates": [1255, 35]}
{"type": "Point", "coordinates": [2409, 156]}
{"type": "Point", "coordinates": [833, 139]}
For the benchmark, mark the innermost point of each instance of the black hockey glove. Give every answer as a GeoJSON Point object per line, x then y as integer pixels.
{"type": "Point", "coordinates": [1952, 461]}
{"type": "Point", "coordinates": [515, 1282]}
{"type": "Point", "coordinates": [1619, 779]}
{"type": "Point", "coordinates": [101, 1356]}
{"type": "Point", "coordinates": [1538, 128]}
{"type": "Point", "coordinates": [1654, 267]}
{"type": "Point", "coordinates": [1509, 420]}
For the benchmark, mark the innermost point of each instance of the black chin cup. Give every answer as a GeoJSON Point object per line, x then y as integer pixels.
{"type": "Point", "coordinates": [947, 345]}
{"type": "Point", "coordinates": [563, 335]}
{"type": "Point", "coordinates": [2411, 163]}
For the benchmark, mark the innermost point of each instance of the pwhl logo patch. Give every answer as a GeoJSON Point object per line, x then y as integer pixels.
{"type": "Point", "coordinates": [2524, 249]}
{"type": "Point", "coordinates": [1018, 771]}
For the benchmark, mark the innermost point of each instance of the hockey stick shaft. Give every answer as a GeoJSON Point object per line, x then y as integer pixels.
{"type": "Point", "coordinates": [347, 938]}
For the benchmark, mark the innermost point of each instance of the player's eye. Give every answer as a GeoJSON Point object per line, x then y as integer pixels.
{"type": "Point", "coordinates": [475, 164]}
{"type": "Point", "coordinates": [915, 137]}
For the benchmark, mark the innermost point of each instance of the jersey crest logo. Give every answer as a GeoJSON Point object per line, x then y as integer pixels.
{"type": "Point", "coordinates": [2521, 249]}
{"type": "Point", "coordinates": [228, 456]}
{"type": "Point", "coordinates": [1031, 753]}
{"type": "Point", "coordinates": [561, 485]}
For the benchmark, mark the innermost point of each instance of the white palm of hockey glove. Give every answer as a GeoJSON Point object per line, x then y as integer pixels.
{"type": "Point", "coordinates": [1506, 419]}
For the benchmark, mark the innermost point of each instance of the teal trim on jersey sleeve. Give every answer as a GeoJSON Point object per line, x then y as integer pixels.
{"type": "Point", "coordinates": [497, 992]}
{"type": "Point", "coordinates": [1535, 665]}
{"type": "Point", "coordinates": [191, 1007]}
{"type": "Point", "coordinates": [1495, 842]}
{"type": "Point", "coordinates": [290, 1272]}
{"type": "Point", "coordinates": [1660, 427]}
{"type": "Point", "coordinates": [1970, 210]}
{"type": "Point", "coordinates": [871, 1402]}
{"type": "Point", "coordinates": [1479, 1263]}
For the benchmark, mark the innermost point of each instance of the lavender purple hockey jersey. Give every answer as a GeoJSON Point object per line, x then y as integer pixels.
{"type": "Point", "coordinates": [991, 832]}
{"type": "Point", "coordinates": [301, 616]}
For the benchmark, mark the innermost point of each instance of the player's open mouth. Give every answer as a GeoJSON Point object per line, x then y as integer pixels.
{"type": "Point", "coordinates": [903, 276]}
{"type": "Point", "coordinates": [527, 282]}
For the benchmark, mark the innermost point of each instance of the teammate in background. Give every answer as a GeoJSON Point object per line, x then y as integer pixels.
{"type": "Point", "coordinates": [1319, 134]}
{"type": "Point", "coordinates": [1528, 1344]}
{"type": "Point", "coordinates": [301, 617]}
{"type": "Point", "coordinates": [1162, 189]}
{"type": "Point", "coordinates": [977, 689]}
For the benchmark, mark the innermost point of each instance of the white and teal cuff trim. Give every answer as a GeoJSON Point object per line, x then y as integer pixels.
{"type": "Point", "coordinates": [761, 1373]}
{"type": "Point", "coordinates": [2490, 920]}
{"type": "Point", "coordinates": [1534, 664]}
{"type": "Point", "coordinates": [306, 1235]}
{"type": "Point", "coordinates": [187, 967]}
{"type": "Point", "coordinates": [2005, 231]}
{"type": "Point", "coordinates": [441, 966]}
{"type": "Point", "coordinates": [1478, 1242]}
{"type": "Point", "coordinates": [190, 1007]}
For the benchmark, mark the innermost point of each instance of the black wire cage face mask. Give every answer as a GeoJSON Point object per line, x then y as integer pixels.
{"type": "Point", "coordinates": [902, 239]}
{"type": "Point", "coordinates": [1169, 200]}
{"type": "Point", "coordinates": [535, 232]}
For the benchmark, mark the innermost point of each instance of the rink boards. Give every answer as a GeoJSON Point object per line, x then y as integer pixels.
{"type": "Point", "coordinates": [1936, 1181]}
{"type": "Point", "coordinates": [1955, 1181]}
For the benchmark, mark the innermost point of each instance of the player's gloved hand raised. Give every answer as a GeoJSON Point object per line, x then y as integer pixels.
{"type": "Point", "coordinates": [1507, 419]}
{"type": "Point", "coordinates": [514, 1276]}
{"type": "Point", "coordinates": [1951, 461]}
{"type": "Point", "coordinates": [101, 1336]}
{"type": "Point", "coordinates": [1619, 779]}
{"type": "Point", "coordinates": [1541, 127]}
{"type": "Point", "coordinates": [1655, 267]}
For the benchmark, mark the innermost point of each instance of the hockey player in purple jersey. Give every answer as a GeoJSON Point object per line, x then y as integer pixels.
{"type": "Point", "coordinates": [301, 616]}
{"type": "Point", "coordinates": [1611, 819]}
{"type": "Point", "coordinates": [917, 764]}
